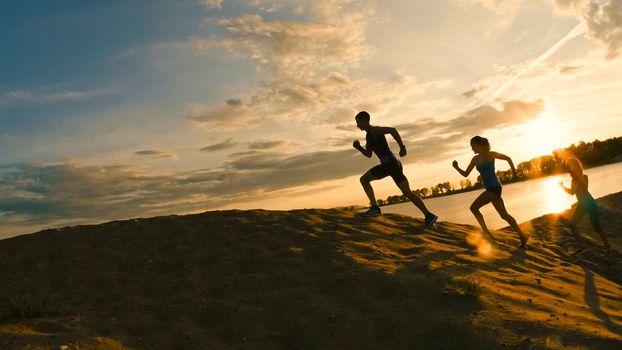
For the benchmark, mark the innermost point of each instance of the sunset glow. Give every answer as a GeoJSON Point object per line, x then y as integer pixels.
{"type": "Point", "coordinates": [556, 199]}
{"type": "Point", "coordinates": [541, 137]}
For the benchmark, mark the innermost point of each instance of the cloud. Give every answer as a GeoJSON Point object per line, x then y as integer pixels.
{"type": "Point", "coordinates": [473, 122]}
{"type": "Point", "coordinates": [604, 23]}
{"type": "Point", "coordinates": [267, 144]}
{"type": "Point", "coordinates": [334, 99]}
{"type": "Point", "coordinates": [486, 117]}
{"type": "Point", "coordinates": [341, 142]}
{"type": "Point", "coordinates": [39, 194]}
{"type": "Point", "coordinates": [17, 98]}
{"type": "Point", "coordinates": [505, 10]}
{"type": "Point", "coordinates": [234, 102]}
{"type": "Point", "coordinates": [213, 3]}
{"type": "Point", "coordinates": [227, 144]}
{"type": "Point", "coordinates": [474, 91]}
{"type": "Point", "coordinates": [568, 69]}
{"type": "Point", "coordinates": [602, 18]}
{"type": "Point", "coordinates": [341, 115]}
{"type": "Point", "coordinates": [332, 38]}
{"type": "Point", "coordinates": [304, 69]}
{"type": "Point", "coordinates": [227, 117]}
{"type": "Point", "coordinates": [157, 153]}
{"type": "Point", "coordinates": [43, 194]}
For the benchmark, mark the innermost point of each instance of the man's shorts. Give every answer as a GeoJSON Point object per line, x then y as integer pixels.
{"type": "Point", "coordinates": [393, 169]}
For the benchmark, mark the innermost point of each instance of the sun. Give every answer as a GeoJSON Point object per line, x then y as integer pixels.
{"type": "Point", "coordinates": [555, 199]}
{"type": "Point", "coordinates": [543, 135]}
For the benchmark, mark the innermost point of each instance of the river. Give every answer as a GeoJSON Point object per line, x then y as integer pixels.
{"type": "Point", "coordinates": [524, 200]}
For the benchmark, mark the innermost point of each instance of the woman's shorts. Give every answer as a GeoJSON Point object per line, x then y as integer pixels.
{"type": "Point", "coordinates": [495, 189]}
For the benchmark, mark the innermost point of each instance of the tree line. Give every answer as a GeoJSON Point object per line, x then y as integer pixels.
{"type": "Point", "coordinates": [591, 154]}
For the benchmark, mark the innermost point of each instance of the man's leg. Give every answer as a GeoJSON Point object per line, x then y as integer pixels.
{"type": "Point", "coordinates": [366, 180]}
{"type": "Point", "coordinates": [404, 186]}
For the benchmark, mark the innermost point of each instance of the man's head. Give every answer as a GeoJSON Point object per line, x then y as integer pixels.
{"type": "Point", "coordinates": [362, 120]}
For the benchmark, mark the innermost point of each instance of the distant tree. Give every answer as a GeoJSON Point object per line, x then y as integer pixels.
{"type": "Point", "coordinates": [435, 190]}
{"type": "Point", "coordinates": [423, 192]}
{"type": "Point", "coordinates": [439, 188]}
{"type": "Point", "coordinates": [448, 186]}
{"type": "Point", "coordinates": [548, 165]}
{"type": "Point", "coordinates": [523, 170]}
{"type": "Point", "coordinates": [465, 184]}
{"type": "Point", "coordinates": [395, 199]}
{"type": "Point", "coordinates": [444, 187]}
{"type": "Point", "coordinates": [504, 176]}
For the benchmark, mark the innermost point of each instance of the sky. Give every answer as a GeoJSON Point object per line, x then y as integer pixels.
{"type": "Point", "coordinates": [119, 109]}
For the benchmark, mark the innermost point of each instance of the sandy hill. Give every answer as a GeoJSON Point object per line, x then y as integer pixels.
{"type": "Point", "coordinates": [308, 279]}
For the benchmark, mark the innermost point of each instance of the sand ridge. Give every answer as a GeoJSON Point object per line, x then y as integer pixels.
{"type": "Point", "coordinates": [309, 279]}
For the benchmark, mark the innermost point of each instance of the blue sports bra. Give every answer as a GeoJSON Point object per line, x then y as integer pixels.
{"type": "Point", "coordinates": [489, 176]}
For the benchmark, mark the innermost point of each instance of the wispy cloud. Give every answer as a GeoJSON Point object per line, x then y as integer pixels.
{"type": "Point", "coordinates": [36, 97]}
{"type": "Point", "coordinates": [475, 121]}
{"type": "Point", "coordinates": [504, 10]}
{"type": "Point", "coordinates": [227, 116]}
{"type": "Point", "coordinates": [579, 29]}
{"type": "Point", "coordinates": [474, 91]}
{"type": "Point", "coordinates": [333, 99]}
{"type": "Point", "coordinates": [226, 144]}
{"type": "Point", "coordinates": [213, 3]}
{"type": "Point", "coordinates": [601, 18]}
{"type": "Point", "coordinates": [157, 153]}
{"type": "Point", "coordinates": [568, 69]}
{"type": "Point", "coordinates": [260, 145]}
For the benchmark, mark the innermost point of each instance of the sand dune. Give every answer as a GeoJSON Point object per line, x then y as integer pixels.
{"type": "Point", "coordinates": [309, 279]}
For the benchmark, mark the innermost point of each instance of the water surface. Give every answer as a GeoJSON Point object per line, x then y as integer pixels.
{"type": "Point", "coordinates": [524, 200]}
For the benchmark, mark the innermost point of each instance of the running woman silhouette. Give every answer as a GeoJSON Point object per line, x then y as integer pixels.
{"type": "Point", "coordinates": [376, 143]}
{"type": "Point", "coordinates": [585, 204]}
{"type": "Point", "coordinates": [484, 162]}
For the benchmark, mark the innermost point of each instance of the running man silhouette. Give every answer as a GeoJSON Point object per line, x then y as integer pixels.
{"type": "Point", "coordinates": [585, 204]}
{"type": "Point", "coordinates": [484, 161]}
{"type": "Point", "coordinates": [376, 143]}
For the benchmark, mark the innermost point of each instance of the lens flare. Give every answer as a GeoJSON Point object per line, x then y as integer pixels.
{"type": "Point", "coordinates": [484, 248]}
{"type": "Point", "coordinates": [556, 200]}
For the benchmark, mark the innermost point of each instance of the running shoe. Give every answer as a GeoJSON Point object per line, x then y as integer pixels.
{"type": "Point", "coordinates": [373, 211]}
{"type": "Point", "coordinates": [430, 219]}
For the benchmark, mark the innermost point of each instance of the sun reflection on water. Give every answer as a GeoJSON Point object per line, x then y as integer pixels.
{"type": "Point", "coordinates": [556, 200]}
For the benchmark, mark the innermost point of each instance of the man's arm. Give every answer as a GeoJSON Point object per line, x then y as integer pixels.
{"type": "Point", "coordinates": [396, 136]}
{"type": "Point", "coordinates": [366, 152]}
